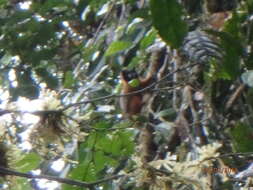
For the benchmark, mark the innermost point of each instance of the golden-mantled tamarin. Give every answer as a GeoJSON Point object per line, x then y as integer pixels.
{"type": "Point", "coordinates": [137, 103]}
{"type": "Point", "coordinates": [131, 82]}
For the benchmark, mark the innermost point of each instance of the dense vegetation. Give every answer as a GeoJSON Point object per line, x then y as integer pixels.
{"type": "Point", "coordinates": [60, 64]}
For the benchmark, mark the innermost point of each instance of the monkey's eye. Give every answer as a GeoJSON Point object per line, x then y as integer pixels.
{"type": "Point", "coordinates": [133, 75]}
{"type": "Point", "coordinates": [130, 75]}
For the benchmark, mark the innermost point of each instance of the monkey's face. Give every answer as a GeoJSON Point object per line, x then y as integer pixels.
{"type": "Point", "coordinates": [129, 75]}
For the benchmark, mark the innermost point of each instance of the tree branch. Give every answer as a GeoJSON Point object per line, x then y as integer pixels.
{"type": "Point", "coordinates": [129, 94]}
{"type": "Point", "coordinates": [39, 113]}
{"type": "Point", "coordinates": [6, 171]}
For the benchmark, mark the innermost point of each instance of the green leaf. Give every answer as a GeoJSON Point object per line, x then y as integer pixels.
{"type": "Point", "coordinates": [100, 160]}
{"type": "Point", "coordinates": [91, 140]}
{"type": "Point", "coordinates": [167, 19]}
{"type": "Point", "coordinates": [3, 2]}
{"type": "Point", "coordinates": [233, 25]}
{"type": "Point", "coordinates": [127, 143]}
{"type": "Point", "coordinates": [232, 42]}
{"type": "Point", "coordinates": [249, 5]}
{"type": "Point", "coordinates": [166, 113]}
{"type": "Point", "coordinates": [116, 47]}
{"type": "Point", "coordinates": [78, 172]}
{"type": "Point", "coordinates": [105, 144]}
{"type": "Point", "coordinates": [81, 170]}
{"type": "Point", "coordinates": [28, 163]}
{"type": "Point", "coordinates": [116, 148]}
{"type": "Point", "coordinates": [124, 145]}
{"type": "Point", "coordinates": [148, 39]}
{"type": "Point", "coordinates": [242, 137]}
{"type": "Point", "coordinates": [102, 125]}
{"type": "Point", "coordinates": [233, 49]}
{"type": "Point", "coordinates": [21, 184]}
{"type": "Point", "coordinates": [69, 79]}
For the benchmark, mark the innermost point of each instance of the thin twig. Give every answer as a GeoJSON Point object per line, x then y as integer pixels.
{"type": "Point", "coordinates": [38, 113]}
{"type": "Point", "coordinates": [234, 96]}
{"type": "Point", "coordinates": [228, 155]}
{"type": "Point", "coordinates": [102, 24]}
{"type": "Point", "coordinates": [7, 171]}
{"type": "Point", "coordinates": [42, 112]}
{"type": "Point", "coordinates": [128, 94]}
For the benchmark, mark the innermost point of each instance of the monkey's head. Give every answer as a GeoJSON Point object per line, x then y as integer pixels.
{"type": "Point", "coordinates": [131, 77]}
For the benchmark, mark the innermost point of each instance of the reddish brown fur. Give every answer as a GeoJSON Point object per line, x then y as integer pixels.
{"type": "Point", "coordinates": [132, 104]}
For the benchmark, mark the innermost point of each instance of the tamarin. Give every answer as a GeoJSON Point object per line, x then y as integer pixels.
{"type": "Point", "coordinates": [131, 82]}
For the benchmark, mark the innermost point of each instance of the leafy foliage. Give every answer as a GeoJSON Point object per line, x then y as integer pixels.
{"type": "Point", "coordinates": [242, 135]}
{"type": "Point", "coordinates": [167, 19]}
{"type": "Point", "coordinates": [59, 86]}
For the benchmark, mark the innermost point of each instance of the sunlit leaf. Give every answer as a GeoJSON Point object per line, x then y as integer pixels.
{"type": "Point", "coordinates": [148, 39]}
{"type": "Point", "coordinates": [116, 47]}
{"type": "Point", "coordinates": [30, 162]}
{"type": "Point", "coordinates": [68, 79]}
